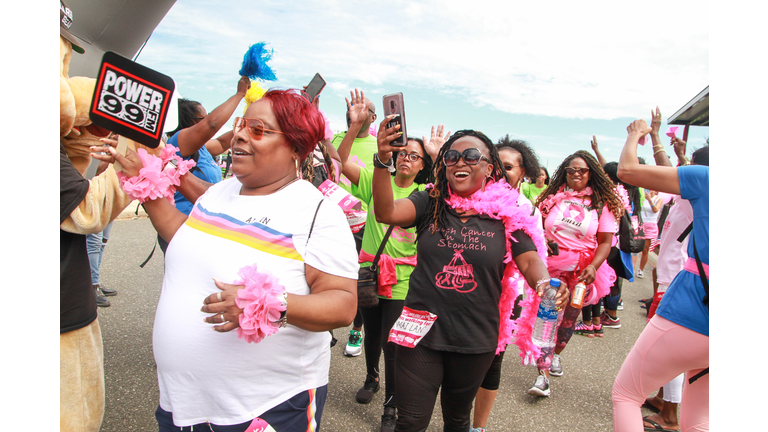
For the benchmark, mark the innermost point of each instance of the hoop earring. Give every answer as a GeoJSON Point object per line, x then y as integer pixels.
{"type": "Point", "coordinates": [485, 179]}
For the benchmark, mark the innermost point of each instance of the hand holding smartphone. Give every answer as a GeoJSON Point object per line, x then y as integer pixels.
{"type": "Point", "coordinates": [314, 87]}
{"type": "Point", "coordinates": [393, 104]}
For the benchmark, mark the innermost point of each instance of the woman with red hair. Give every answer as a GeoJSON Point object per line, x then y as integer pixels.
{"type": "Point", "coordinates": [255, 253]}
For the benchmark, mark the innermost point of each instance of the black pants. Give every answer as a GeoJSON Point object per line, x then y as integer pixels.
{"type": "Point", "coordinates": [421, 372]}
{"type": "Point", "coordinates": [378, 321]}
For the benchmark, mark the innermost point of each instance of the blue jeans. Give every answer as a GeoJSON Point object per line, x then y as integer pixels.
{"type": "Point", "coordinates": [291, 415]}
{"type": "Point", "coordinates": [95, 243]}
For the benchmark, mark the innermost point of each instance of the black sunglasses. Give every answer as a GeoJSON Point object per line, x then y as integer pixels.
{"type": "Point", "coordinates": [471, 156]}
{"type": "Point", "coordinates": [412, 156]}
{"type": "Point", "coordinates": [572, 171]}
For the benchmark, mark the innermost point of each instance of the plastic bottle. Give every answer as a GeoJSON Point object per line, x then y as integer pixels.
{"type": "Point", "coordinates": [578, 295]}
{"type": "Point", "coordinates": [546, 320]}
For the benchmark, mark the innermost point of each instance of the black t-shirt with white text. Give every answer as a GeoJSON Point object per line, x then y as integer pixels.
{"type": "Point", "coordinates": [458, 278]}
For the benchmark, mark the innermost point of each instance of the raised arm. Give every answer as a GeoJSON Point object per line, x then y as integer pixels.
{"type": "Point", "coordinates": [598, 155]}
{"type": "Point", "coordinates": [195, 137]}
{"type": "Point", "coordinates": [191, 187]}
{"type": "Point", "coordinates": [358, 112]}
{"type": "Point", "coordinates": [220, 144]}
{"type": "Point", "coordinates": [659, 178]}
{"type": "Point", "coordinates": [388, 211]}
{"type": "Point", "coordinates": [659, 154]}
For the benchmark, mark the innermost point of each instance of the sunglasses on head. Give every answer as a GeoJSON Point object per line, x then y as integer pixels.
{"type": "Point", "coordinates": [413, 157]}
{"type": "Point", "coordinates": [471, 156]}
{"type": "Point", "coordinates": [255, 127]}
{"type": "Point", "coordinates": [572, 171]}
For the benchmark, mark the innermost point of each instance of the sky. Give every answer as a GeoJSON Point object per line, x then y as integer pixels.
{"type": "Point", "coordinates": [551, 73]}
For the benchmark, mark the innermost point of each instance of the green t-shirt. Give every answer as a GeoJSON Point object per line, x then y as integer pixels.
{"type": "Point", "coordinates": [530, 191]}
{"type": "Point", "coordinates": [401, 243]}
{"type": "Point", "coordinates": [361, 153]}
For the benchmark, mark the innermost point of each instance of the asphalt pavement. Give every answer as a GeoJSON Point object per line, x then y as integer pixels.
{"type": "Point", "coordinates": [580, 400]}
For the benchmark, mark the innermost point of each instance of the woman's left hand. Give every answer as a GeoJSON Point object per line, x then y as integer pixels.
{"type": "Point", "coordinates": [588, 275]}
{"type": "Point", "coordinates": [222, 304]}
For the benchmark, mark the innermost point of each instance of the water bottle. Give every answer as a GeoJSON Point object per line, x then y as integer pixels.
{"type": "Point", "coordinates": [546, 320]}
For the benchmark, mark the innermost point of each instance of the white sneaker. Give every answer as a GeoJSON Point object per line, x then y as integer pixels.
{"type": "Point", "coordinates": [355, 344]}
{"type": "Point", "coordinates": [556, 368]}
{"type": "Point", "coordinates": [640, 274]}
{"type": "Point", "coordinates": [540, 387]}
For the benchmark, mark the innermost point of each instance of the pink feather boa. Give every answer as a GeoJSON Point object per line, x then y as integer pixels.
{"type": "Point", "coordinates": [499, 201]}
{"type": "Point", "coordinates": [622, 193]}
{"type": "Point", "coordinates": [156, 179]}
{"type": "Point", "coordinates": [260, 303]}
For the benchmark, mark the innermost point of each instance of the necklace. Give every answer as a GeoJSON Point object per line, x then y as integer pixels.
{"type": "Point", "coordinates": [287, 184]}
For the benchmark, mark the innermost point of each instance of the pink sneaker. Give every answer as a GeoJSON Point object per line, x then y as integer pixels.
{"type": "Point", "coordinates": [584, 329]}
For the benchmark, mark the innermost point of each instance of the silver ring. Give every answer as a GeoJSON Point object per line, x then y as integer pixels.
{"type": "Point", "coordinates": [218, 296]}
{"type": "Point", "coordinates": [222, 318]}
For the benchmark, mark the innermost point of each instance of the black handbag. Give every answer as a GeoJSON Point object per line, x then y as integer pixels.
{"type": "Point", "coordinates": [368, 278]}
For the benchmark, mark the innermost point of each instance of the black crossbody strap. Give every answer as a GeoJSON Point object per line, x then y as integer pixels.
{"type": "Point", "coordinates": [381, 247]}
{"type": "Point", "coordinates": [313, 221]}
{"type": "Point", "coordinates": [697, 376]}
{"type": "Point", "coordinates": [685, 233]}
{"type": "Point", "coordinates": [702, 275]}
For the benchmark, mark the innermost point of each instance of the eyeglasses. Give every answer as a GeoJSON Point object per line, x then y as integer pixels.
{"type": "Point", "coordinates": [572, 171]}
{"type": "Point", "coordinates": [509, 167]}
{"type": "Point", "coordinates": [413, 157]}
{"type": "Point", "coordinates": [255, 127]}
{"type": "Point", "coordinates": [471, 156]}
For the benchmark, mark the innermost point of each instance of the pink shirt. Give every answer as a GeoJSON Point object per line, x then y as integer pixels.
{"type": "Point", "coordinates": [672, 253]}
{"type": "Point", "coordinates": [572, 225]}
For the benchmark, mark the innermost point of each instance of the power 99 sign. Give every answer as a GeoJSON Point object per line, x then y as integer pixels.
{"type": "Point", "coordinates": [131, 100]}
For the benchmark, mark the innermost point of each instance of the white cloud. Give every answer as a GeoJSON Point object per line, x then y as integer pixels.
{"type": "Point", "coordinates": [598, 60]}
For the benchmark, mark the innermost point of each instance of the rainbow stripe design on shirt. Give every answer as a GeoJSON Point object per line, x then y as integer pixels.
{"type": "Point", "coordinates": [254, 234]}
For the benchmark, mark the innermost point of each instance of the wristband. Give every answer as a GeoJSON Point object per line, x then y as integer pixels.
{"type": "Point", "coordinates": [377, 163]}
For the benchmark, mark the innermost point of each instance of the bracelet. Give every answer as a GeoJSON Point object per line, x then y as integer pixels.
{"type": "Point", "coordinates": [377, 163]}
{"type": "Point", "coordinates": [659, 150]}
{"type": "Point", "coordinates": [263, 300]}
{"type": "Point", "coordinates": [159, 176]}
{"type": "Point", "coordinates": [283, 321]}
{"type": "Point", "coordinates": [541, 281]}
{"type": "Point", "coordinates": [593, 267]}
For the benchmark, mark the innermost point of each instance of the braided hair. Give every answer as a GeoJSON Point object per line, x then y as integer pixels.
{"type": "Point", "coordinates": [439, 193]}
{"type": "Point", "coordinates": [603, 189]}
{"type": "Point", "coordinates": [308, 164]}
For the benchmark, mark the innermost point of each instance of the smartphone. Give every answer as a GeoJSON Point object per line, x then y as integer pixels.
{"type": "Point", "coordinates": [314, 87]}
{"type": "Point", "coordinates": [393, 104]}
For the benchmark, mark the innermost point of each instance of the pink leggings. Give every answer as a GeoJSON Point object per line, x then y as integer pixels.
{"type": "Point", "coordinates": [662, 352]}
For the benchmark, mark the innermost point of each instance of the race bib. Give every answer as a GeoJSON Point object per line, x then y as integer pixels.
{"type": "Point", "coordinates": [259, 425]}
{"type": "Point", "coordinates": [411, 327]}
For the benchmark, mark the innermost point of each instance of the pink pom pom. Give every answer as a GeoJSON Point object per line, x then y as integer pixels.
{"type": "Point", "coordinates": [156, 179]}
{"type": "Point", "coordinates": [260, 303]}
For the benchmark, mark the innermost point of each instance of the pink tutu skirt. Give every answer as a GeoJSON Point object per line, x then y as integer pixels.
{"type": "Point", "coordinates": [604, 278]}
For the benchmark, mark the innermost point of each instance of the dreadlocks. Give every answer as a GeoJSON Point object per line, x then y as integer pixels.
{"type": "Point", "coordinates": [439, 193]}
{"type": "Point", "coordinates": [603, 189]}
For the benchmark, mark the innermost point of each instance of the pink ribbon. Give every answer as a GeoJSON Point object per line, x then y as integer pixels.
{"type": "Point", "coordinates": [387, 272]}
